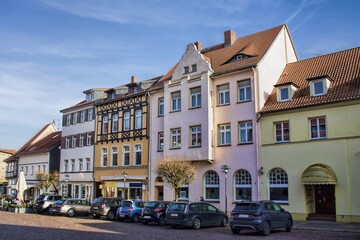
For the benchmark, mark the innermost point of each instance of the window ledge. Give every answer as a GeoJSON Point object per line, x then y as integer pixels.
{"type": "Point", "coordinates": [175, 111]}
{"type": "Point", "coordinates": [222, 105]}
{"type": "Point", "coordinates": [280, 142]}
{"type": "Point", "coordinates": [244, 101]}
{"type": "Point", "coordinates": [323, 138]}
{"type": "Point", "coordinates": [191, 108]}
{"type": "Point", "coordinates": [224, 145]}
{"type": "Point", "coordinates": [175, 148]}
{"type": "Point", "coordinates": [160, 116]}
{"type": "Point", "coordinates": [160, 151]}
{"type": "Point", "coordinates": [195, 146]}
{"type": "Point", "coordinates": [246, 143]}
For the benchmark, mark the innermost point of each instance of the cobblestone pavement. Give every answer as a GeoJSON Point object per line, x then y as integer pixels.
{"type": "Point", "coordinates": [14, 226]}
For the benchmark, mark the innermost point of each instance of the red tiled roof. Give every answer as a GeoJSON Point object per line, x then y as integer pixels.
{"type": "Point", "coordinates": [254, 45]}
{"type": "Point", "coordinates": [343, 68]}
{"type": "Point", "coordinates": [44, 145]}
{"type": "Point", "coordinates": [8, 151]}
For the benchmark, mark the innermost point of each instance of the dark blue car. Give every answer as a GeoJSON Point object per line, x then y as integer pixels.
{"type": "Point", "coordinates": [130, 209]}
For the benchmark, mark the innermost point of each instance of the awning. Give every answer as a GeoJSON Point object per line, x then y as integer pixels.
{"type": "Point", "coordinates": [318, 174]}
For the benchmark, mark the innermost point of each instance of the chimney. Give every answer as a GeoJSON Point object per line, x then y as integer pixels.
{"type": "Point", "coordinates": [229, 37]}
{"type": "Point", "coordinates": [198, 46]}
{"type": "Point", "coordinates": [133, 79]}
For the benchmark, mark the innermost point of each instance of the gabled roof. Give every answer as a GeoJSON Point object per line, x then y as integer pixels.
{"type": "Point", "coordinates": [255, 46]}
{"type": "Point", "coordinates": [44, 145]}
{"type": "Point", "coordinates": [342, 69]}
{"type": "Point", "coordinates": [8, 151]}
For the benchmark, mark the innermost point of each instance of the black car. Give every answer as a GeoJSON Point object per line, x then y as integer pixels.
{"type": "Point", "coordinates": [195, 215]}
{"type": "Point", "coordinates": [262, 216]}
{"type": "Point", "coordinates": [154, 211]}
{"type": "Point", "coordinates": [103, 206]}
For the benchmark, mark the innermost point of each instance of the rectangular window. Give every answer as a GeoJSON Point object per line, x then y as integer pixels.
{"type": "Point", "coordinates": [126, 155]}
{"type": "Point", "coordinates": [66, 162]}
{"type": "Point", "coordinates": [195, 94]}
{"type": "Point", "coordinates": [126, 121]}
{"type": "Point", "coordinates": [317, 128]}
{"type": "Point", "coordinates": [223, 94]}
{"type": "Point", "coordinates": [175, 135]}
{"type": "Point", "coordinates": [161, 141]}
{"type": "Point", "coordinates": [89, 97]}
{"type": "Point", "coordinates": [105, 124]}
{"type": "Point", "coordinates": [244, 90]}
{"type": "Point", "coordinates": [115, 123]}
{"type": "Point", "coordinates": [68, 120]}
{"type": "Point", "coordinates": [81, 140]}
{"type": "Point", "coordinates": [32, 170]}
{"type": "Point", "coordinates": [183, 193]}
{"type": "Point", "coordinates": [176, 101]}
{"type": "Point", "coordinates": [193, 67]}
{"type": "Point", "coordinates": [195, 136]}
{"type": "Point", "coordinates": [161, 107]}
{"type": "Point", "coordinates": [246, 134]}
{"type": "Point", "coordinates": [26, 170]}
{"type": "Point", "coordinates": [72, 165]}
{"type": "Point", "coordinates": [80, 164]}
{"type": "Point", "coordinates": [138, 119]}
{"type": "Point", "coordinates": [282, 132]}
{"type": "Point", "coordinates": [186, 69]}
{"type": "Point", "coordinates": [318, 87]}
{"type": "Point", "coordinates": [73, 141]}
{"type": "Point", "coordinates": [88, 164]}
{"type": "Point", "coordinates": [90, 114]}
{"type": "Point", "coordinates": [284, 94]}
{"type": "Point", "coordinates": [224, 134]}
{"type": "Point", "coordinates": [67, 142]}
{"type": "Point", "coordinates": [75, 116]}
{"type": "Point", "coordinates": [82, 116]}
{"type": "Point", "coordinates": [44, 168]}
{"type": "Point", "coordinates": [104, 157]}
{"type": "Point", "coordinates": [88, 139]}
{"type": "Point", "coordinates": [114, 156]}
{"type": "Point", "coordinates": [137, 154]}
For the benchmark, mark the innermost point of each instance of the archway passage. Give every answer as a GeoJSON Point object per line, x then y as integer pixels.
{"type": "Point", "coordinates": [322, 179]}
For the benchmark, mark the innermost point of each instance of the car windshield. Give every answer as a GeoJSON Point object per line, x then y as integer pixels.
{"type": "Point", "coordinates": [179, 207]}
{"type": "Point", "coordinates": [125, 204]}
{"type": "Point", "coordinates": [152, 204]}
{"type": "Point", "coordinates": [59, 202]}
{"type": "Point", "coordinates": [40, 197]}
{"type": "Point", "coordinates": [247, 206]}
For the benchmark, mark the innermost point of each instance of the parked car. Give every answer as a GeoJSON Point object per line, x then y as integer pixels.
{"type": "Point", "coordinates": [44, 201]}
{"type": "Point", "coordinates": [70, 207]}
{"type": "Point", "coordinates": [262, 216]}
{"type": "Point", "coordinates": [130, 209]}
{"type": "Point", "coordinates": [154, 211]}
{"type": "Point", "coordinates": [103, 206]}
{"type": "Point", "coordinates": [195, 215]}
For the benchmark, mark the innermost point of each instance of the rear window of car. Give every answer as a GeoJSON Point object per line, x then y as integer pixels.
{"type": "Point", "coordinates": [139, 204]}
{"type": "Point", "coordinates": [125, 204]}
{"type": "Point", "coordinates": [179, 207]}
{"type": "Point", "coordinates": [247, 206]}
{"type": "Point", "coordinates": [98, 200]}
{"type": "Point", "coordinates": [40, 197]}
{"type": "Point", "coordinates": [59, 201]}
{"type": "Point", "coordinates": [152, 204]}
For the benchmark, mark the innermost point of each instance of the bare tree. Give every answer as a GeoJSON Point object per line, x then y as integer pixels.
{"type": "Point", "coordinates": [47, 180]}
{"type": "Point", "coordinates": [176, 172]}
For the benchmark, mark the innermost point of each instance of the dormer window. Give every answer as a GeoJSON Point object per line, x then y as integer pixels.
{"type": "Point", "coordinates": [89, 96]}
{"type": "Point", "coordinates": [186, 69]}
{"type": "Point", "coordinates": [193, 67]}
{"type": "Point", "coordinates": [133, 90]}
{"type": "Point", "coordinates": [319, 86]}
{"type": "Point", "coordinates": [239, 57]}
{"type": "Point", "coordinates": [285, 91]}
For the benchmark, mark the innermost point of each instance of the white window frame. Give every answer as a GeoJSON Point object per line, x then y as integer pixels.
{"type": "Point", "coordinates": [224, 130]}
{"type": "Point", "coordinates": [114, 152]}
{"type": "Point", "coordinates": [88, 164]}
{"type": "Point", "coordinates": [82, 116]}
{"type": "Point", "coordinates": [68, 119]}
{"type": "Point", "coordinates": [195, 97]}
{"type": "Point", "coordinates": [195, 131]}
{"type": "Point", "coordinates": [104, 157]}
{"type": "Point", "coordinates": [80, 164]}
{"type": "Point", "coordinates": [90, 114]}
{"type": "Point", "coordinates": [281, 89]}
{"type": "Point", "coordinates": [88, 139]}
{"type": "Point", "coordinates": [72, 165]}
{"type": "Point", "coordinates": [126, 120]}
{"type": "Point", "coordinates": [175, 138]}
{"type": "Point", "coordinates": [160, 141]}
{"type": "Point", "coordinates": [66, 165]}
{"type": "Point", "coordinates": [81, 140]}
{"type": "Point", "coordinates": [138, 119]}
{"type": "Point", "coordinates": [318, 130]}
{"type": "Point", "coordinates": [243, 90]}
{"type": "Point", "coordinates": [75, 116]}
{"type": "Point", "coordinates": [124, 153]}
{"type": "Point", "coordinates": [242, 180]}
{"type": "Point", "coordinates": [161, 107]}
{"type": "Point", "coordinates": [67, 142]}
{"type": "Point", "coordinates": [282, 131]}
{"type": "Point", "coordinates": [278, 178]}
{"type": "Point", "coordinates": [105, 125]}
{"type": "Point", "coordinates": [223, 94]}
{"type": "Point", "coordinates": [246, 127]}
{"type": "Point", "coordinates": [137, 149]}
{"type": "Point", "coordinates": [176, 101]}
{"type": "Point", "coordinates": [211, 180]}
{"type": "Point", "coordinates": [115, 123]}
{"type": "Point", "coordinates": [73, 141]}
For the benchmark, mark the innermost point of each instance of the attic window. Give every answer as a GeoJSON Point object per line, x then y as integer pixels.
{"type": "Point", "coordinates": [133, 90]}
{"type": "Point", "coordinates": [89, 97]}
{"type": "Point", "coordinates": [319, 86]}
{"type": "Point", "coordinates": [239, 57]}
{"type": "Point", "coordinates": [285, 91]}
{"type": "Point", "coordinates": [186, 69]}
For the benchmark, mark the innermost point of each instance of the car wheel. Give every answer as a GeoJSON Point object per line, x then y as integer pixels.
{"type": "Point", "coordinates": [288, 226]}
{"type": "Point", "coordinates": [266, 229]}
{"type": "Point", "coordinates": [71, 212]}
{"type": "Point", "coordinates": [161, 221]}
{"type": "Point", "coordinates": [196, 224]}
{"type": "Point", "coordinates": [110, 215]}
{"type": "Point", "coordinates": [235, 231]}
{"type": "Point", "coordinates": [145, 222]}
{"type": "Point", "coordinates": [223, 222]}
{"type": "Point", "coordinates": [135, 218]}
{"type": "Point", "coordinates": [96, 216]}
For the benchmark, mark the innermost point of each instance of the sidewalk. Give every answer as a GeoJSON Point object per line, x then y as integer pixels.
{"type": "Point", "coordinates": [327, 226]}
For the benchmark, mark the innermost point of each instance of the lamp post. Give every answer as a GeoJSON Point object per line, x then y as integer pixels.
{"type": "Point", "coordinates": [225, 168]}
{"type": "Point", "coordinates": [125, 189]}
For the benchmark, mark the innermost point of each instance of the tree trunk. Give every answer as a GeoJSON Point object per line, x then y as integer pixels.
{"type": "Point", "coordinates": [176, 194]}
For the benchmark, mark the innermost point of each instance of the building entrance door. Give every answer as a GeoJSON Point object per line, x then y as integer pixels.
{"type": "Point", "coordinates": [325, 199]}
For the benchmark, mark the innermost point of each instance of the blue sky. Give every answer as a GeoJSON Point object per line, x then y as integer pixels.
{"type": "Point", "coordinates": [53, 50]}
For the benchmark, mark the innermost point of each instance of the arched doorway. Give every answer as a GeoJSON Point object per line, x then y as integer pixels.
{"type": "Point", "coordinates": [320, 179]}
{"type": "Point", "coordinates": [159, 189]}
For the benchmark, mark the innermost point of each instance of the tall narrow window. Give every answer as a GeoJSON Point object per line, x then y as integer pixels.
{"type": "Point", "coordinates": [105, 124]}
{"type": "Point", "coordinates": [126, 121]}
{"type": "Point", "coordinates": [73, 141]}
{"type": "Point", "coordinates": [26, 170]}
{"type": "Point", "coordinates": [88, 164]}
{"type": "Point", "coordinates": [67, 142]}
{"type": "Point", "coordinates": [115, 123]}
{"type": "Point", "coordinates": [223, 94]}
{"type": "Point", "coordinates": [195, 94]}
{"type": "Point", "coordinates": [161, 141]}
{"type": "Point", "coordinates": [224, 134]}
{"type": "Point", "coordinates": [246, 132]}
{"type": "Point", "coordinates": [176, 101]}
{"type": "Point", "coordinates": [242, 180]}
{"type": "Point", "coordinates": [126, 155]}
{"type": "Point", "coordinates": [161, 107]}
{"type": "Point", "coordinates": [284, 93]}
{"type": "Point", "coordinates": [195, 136]}
{"type": "Point", "coordinates": [72, 165]}
{"type": "Point", "coordinates": [282, 132]}
{"type": "Point", "coordinates": [81, 164]}
{"type": "Point", "coordinates": [317, 128]}
{"type": "Point", "coordinates": [81, 140]}
{"type": "Point", "coordinates": [278, 186]}
{"type": "Point", "coordinates": [88, 139]}
{"type": "Point", "coordinates": [68, 120]}
{"type": "Point", "coordinates": [138, 119]}
{"type": "Point", "coordinates": [175, 138]}
{"type": "Point", "coordinates": [104, 157]}
{"type": "Point", "coordinates": [244, 90]}
{"type": "Point", "coordinates": [66, 166]}
{"type": "Point", "coordinates": [90, 114]}
{"type": "Point", "coordinates": [114, 156]}
{"type": "Point", "coordinates": [138, 154]}
{"type": "Point", "coordinates": [212, 186]}
{"type": "Point", "coordinates": [82, 116]}
{"type": "Point", "coordinates": [32, 170]}
{"type": "Point", "coordinates": [193, 67]}
{"type": "Point", "coordinates": [75, 118]}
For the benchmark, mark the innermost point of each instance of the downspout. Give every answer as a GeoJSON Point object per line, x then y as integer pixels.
{"type": "Point", "coordinates": [257, 117]}
{"type": "Point", "coordinates": [148, 122]}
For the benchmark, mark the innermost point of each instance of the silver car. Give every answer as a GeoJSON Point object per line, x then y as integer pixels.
{"type": "Point", "coordinates": [70, 207]}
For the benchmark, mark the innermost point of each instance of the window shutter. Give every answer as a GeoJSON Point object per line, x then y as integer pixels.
{"type": "Point", "coordinates": [64, 120]}
{"type": "Point", "coordinates": [78, 140]}
{"type": "Point", "coordinates": [93, 112]}
{"type": "Point", "coordinates": [62, 142]}
{"type": "Point", "coordinates": [92, 138]}
{"type": "Point", "coordinates": [86, 115]}
{"type": "Point", "coordinates": [78, 117]}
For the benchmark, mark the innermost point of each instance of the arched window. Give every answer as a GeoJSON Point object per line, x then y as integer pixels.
{"type": "Point", "coordinates": [212, 185]}
{"type": "Point", "coordinates": [126, 155]}
{"type": "Point", "coordinates": [278, 186]}
{"type": "Point", "coordinates": [242, 180]}
{"type": "Point", "coordinates": [114, 156]}
{"type": "Point", "coordinates": [137, 154]}
{"type": "Point", "coordinates": [104, 156]}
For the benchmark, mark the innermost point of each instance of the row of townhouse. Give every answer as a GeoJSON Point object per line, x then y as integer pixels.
{"type": "Point", "coordinates": [257, 123]}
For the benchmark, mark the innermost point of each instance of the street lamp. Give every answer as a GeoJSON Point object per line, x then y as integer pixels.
{"type": "Point", "coordinates": [125, 194]}
{"type": "Point", "coordinates": [225, 168]}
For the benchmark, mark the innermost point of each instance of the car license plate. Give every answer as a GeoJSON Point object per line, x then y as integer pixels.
{"type": "Point", "coordinates": [243, 216]}
{"type": "Point", "coordinates": [95, 208]}
{"type": "Point", "coordinates": [122, 215]}
{"type": "Point", "coordinates": [174, 214]}
{"type": "Point", "coordinates": [146, 216]}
